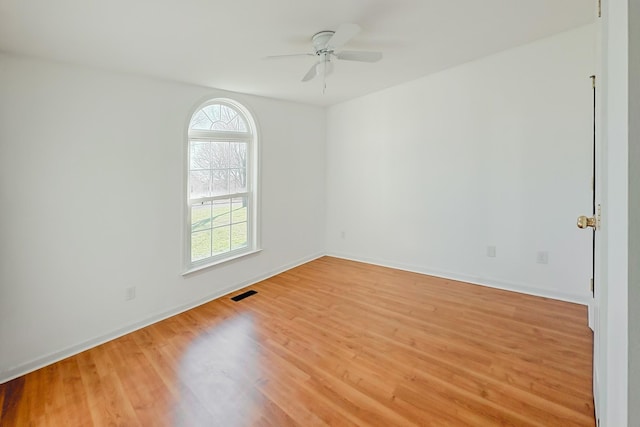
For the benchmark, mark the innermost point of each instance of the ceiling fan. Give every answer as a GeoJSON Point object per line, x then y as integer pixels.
{"type": "Point", "coordinates": [326, 46]}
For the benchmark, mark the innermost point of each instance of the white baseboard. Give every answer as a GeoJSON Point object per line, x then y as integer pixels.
{"type": "Point", "coordinates": [482, 281]}
{"type": "Point", "coordinates": [596, 395]}
{"type": "Point", "coordinates": [56, 356]}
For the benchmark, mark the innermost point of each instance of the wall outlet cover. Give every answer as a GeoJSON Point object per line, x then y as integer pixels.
{"type": "Point", "coordinates": [491, 251]}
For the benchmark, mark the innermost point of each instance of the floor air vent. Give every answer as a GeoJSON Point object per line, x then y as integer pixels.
{"type": "Point", "coordinates": [244, 295]}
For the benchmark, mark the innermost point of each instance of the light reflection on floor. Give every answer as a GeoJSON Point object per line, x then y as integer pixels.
{"type": "Point", "coordinates": [218, 374]}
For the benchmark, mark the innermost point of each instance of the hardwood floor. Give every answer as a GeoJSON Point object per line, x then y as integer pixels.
{"type": "Point", "coordinates": [332, 342]}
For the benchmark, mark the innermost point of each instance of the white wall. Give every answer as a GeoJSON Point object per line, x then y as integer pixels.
{"type": "Point", "coordinates": [91, 195]}
{"type": "Point", "coordinates": [634, 213]}
{"type": "Point", "coordinates": [496, 152]}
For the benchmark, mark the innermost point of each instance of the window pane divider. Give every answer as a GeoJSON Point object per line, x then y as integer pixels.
{"type": "Point", "coordinates": [213, 198]}
{"type": "Point", "coordinates": [209, 135]}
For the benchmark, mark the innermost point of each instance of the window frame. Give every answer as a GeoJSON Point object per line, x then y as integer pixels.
{"type": "Point", "coordinates": [251, 192]}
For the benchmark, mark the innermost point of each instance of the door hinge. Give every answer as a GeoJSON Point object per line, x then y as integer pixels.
{"type": "Point", "coordinates": [593, 82]}
{"type": "Point", "coordinates": [599, 8]}
{"type": "Point", "coordinates": [591, 285]}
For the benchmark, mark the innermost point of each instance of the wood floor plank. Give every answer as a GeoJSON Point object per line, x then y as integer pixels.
{"type": "Point", "coordinates": [469, 346]}
{"type": "Point", "coordinates": [330, 343]}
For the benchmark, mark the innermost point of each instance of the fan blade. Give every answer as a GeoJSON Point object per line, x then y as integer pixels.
{"type": "Point", "coordinates": [288, 56]}
{"type": "Point", "coordinates": [359, 56]}
{"type": "Point", "coordinates": [344, 33]}
{"type": "Point", "coordinates": [313, 71]}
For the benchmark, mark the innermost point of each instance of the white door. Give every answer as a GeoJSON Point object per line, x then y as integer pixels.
{"type": "Point", "coordinates": [590, 222]}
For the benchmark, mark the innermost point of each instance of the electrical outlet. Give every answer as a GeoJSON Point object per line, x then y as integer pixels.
{"type": "Point", "coordinates": [130, 293]}
{"type": "Point", "coordinates": [542, 257]}
{"type": "Point", "coordinates": [491, 251]}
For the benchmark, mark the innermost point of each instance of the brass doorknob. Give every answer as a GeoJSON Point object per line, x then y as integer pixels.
{"type": "Point", "coordinates": [584, 222]}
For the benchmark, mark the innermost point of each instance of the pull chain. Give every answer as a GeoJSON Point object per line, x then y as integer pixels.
{"type": "Point", "coordinates": [324, 74]}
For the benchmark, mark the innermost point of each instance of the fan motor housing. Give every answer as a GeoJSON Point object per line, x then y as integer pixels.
{"type": "Point", "coordinates": [320, 40]}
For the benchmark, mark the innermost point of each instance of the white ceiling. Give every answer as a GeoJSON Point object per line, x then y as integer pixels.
{"type": "Point", "coordinates": [222, 44]}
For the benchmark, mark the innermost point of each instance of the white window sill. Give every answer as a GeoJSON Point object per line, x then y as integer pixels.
{"type": "Point", "coordinates": [220, 261]}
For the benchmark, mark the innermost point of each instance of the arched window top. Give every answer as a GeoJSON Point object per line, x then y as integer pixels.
{"type": "Point", "coordinates": [219, 117]}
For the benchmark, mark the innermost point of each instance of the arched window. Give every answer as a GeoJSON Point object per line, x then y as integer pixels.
{"type": "Point", "coordinates": [221, 193]}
